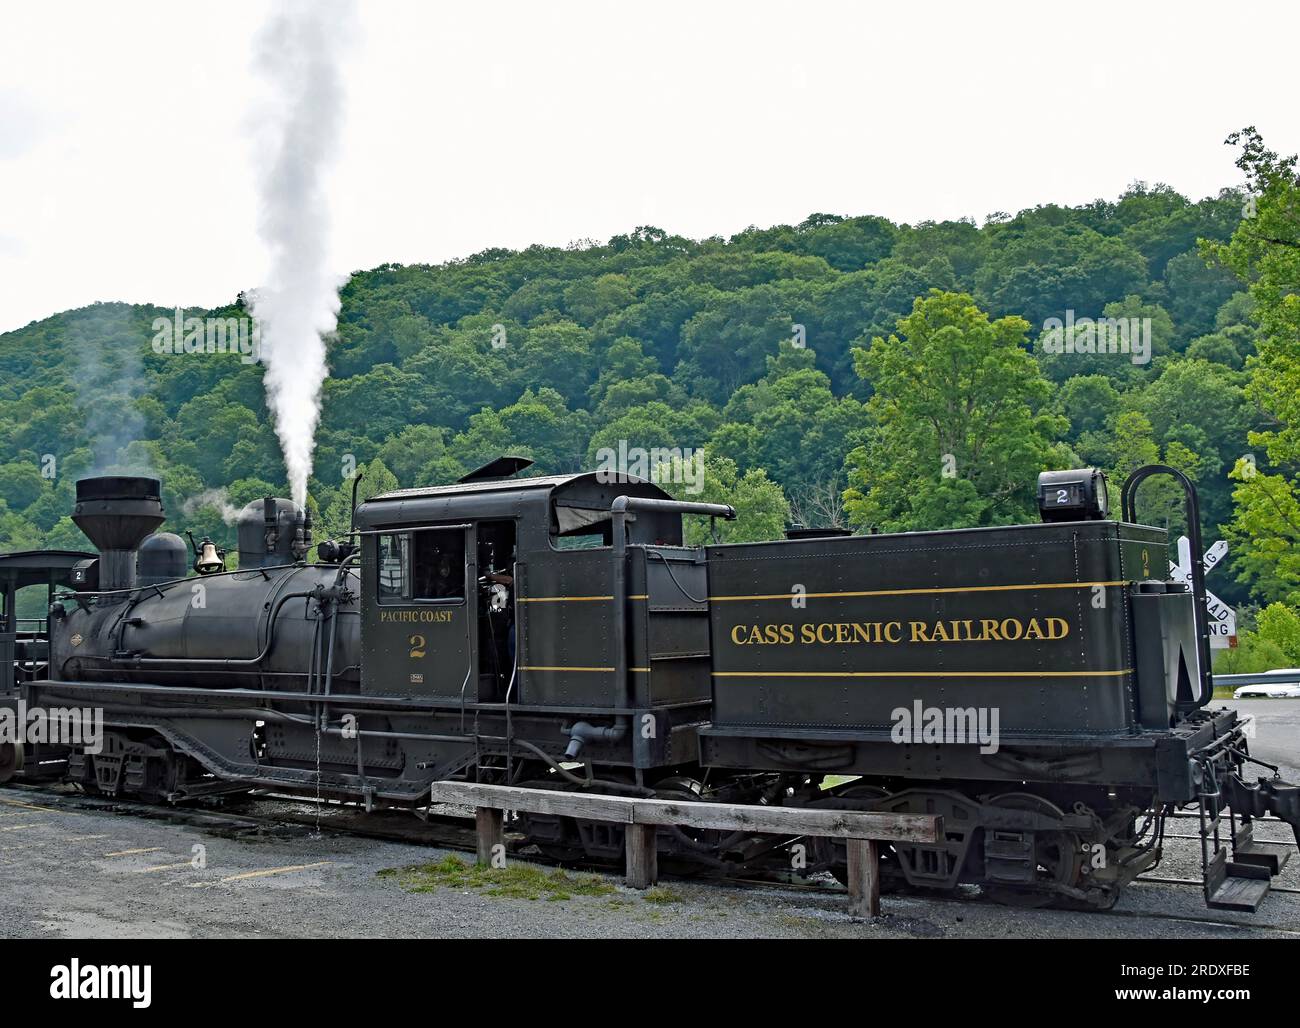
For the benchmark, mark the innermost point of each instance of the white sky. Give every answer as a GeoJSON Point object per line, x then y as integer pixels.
{"type": "Point", "coordinates": [125, 170]}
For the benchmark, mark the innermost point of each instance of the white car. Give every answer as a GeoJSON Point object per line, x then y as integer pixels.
{"type": "Point", "coordinates": [1267, 690]}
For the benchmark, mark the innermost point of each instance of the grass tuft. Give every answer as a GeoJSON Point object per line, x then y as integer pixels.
{"type": "Point", "coordinates": [515, 881]}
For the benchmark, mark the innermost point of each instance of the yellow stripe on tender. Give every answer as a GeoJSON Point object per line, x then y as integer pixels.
{"type": "Point", "coordinates": [922, 674]}
{"type": "Point", "coordinates": [920, 592]}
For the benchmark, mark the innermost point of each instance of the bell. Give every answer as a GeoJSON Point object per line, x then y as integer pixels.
{"type": "Point", "coordinates": [209, 560]}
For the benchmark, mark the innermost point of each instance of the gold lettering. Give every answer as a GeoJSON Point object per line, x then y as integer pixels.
{"type": "Point", "coordinates": [842, 633]}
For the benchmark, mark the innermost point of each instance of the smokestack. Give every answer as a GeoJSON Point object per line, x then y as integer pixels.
{"type": "Point", "coordinates": [117, 514]}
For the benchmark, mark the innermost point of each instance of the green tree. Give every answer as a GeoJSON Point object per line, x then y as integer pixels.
{"type": "Point", "coordinates": [1280, 624]}
{"type": "Point", "coordinates": [21, 484]}
{"type": "Point", "coordinates": [1265, 533]}
{"type": "Point", "coordinates": [761, 508]}
{"type": "Point", "coordinates": [959, 429]}
{"type": "Point", "coordinates": [1265, 251]}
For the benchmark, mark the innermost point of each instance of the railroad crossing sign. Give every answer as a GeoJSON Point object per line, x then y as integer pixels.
{"type": "Point", "coordinates": [1222, 618]}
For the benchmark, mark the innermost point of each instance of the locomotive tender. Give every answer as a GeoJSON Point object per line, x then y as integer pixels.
{"type": "Point", "coordinates": [1043, 687]}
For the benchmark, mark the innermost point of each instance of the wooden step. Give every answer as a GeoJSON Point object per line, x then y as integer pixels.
{"type": "Point", "coordinates": [1239, 894]}
{"type": "Point", "coordinates": [1249, 850]}
{"type": "Point", "coordinates": [1230, 885]}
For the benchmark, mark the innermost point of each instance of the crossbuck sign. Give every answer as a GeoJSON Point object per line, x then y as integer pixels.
{"type": "Point", "coordinates": [1222, 620]}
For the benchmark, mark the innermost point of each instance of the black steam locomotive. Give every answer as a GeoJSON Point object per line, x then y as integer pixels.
{"type": "Point", "coordinates": [1043, 687]}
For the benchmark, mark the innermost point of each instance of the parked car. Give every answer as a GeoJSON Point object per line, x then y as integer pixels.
{"type": "Point", "coordinates": [1272, 690]}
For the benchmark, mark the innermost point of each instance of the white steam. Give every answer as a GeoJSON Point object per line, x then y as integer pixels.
{"type": "Point", "coordinates": [299, 53]}
{"type": "Point", "coordinates": [217, 499]}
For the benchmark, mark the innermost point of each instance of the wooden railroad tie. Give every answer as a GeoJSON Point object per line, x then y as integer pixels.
{"type": "Point", "coordinates": [861, 830]}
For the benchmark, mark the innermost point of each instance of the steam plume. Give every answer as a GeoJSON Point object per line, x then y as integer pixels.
{"type": "Point", "coordinates": [217, 499]}
{"type": "Point", "coordinates": [299, 52]}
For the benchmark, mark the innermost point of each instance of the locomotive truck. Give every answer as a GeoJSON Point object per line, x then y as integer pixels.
{"type": "Point", "coordinates": [1044, 687]}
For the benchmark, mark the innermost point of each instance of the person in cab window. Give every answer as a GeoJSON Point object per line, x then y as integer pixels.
{"type": "Point", "coordinates": [446, 577]}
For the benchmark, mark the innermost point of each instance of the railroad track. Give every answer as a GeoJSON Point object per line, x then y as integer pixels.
{"type": "Point", "coordinates": [239, 816]}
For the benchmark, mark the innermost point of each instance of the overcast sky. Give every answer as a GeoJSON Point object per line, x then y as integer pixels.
{"type": "Point", "coordinates": [126, 172]}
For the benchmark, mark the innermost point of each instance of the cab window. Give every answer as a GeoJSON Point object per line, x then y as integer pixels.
{"type": "Point", "coordinates": [421, 567]}
{"type": "Point", "coordinates": [394, 582]}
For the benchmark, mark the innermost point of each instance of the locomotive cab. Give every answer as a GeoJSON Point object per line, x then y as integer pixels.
{"type": "Point", "coordinates": [497, 590]}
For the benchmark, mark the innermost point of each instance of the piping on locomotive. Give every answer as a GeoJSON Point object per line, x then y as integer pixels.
{"type": "Point", "coordinates": [555, 632]}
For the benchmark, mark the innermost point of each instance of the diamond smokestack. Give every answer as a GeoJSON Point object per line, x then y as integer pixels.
{"type": "Point", "coordinates": [117, 514]}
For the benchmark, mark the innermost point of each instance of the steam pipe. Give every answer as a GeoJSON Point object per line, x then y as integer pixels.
{"type": "Point", "coordinates": [356, 481]}
{"type": "Point", "coordinates": [331, 607]}
{"type": "Point", "coordinates": [584, 732]}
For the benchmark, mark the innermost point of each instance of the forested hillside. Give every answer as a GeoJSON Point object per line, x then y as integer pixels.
{"type": "Point", "coordinates": [845, 369]}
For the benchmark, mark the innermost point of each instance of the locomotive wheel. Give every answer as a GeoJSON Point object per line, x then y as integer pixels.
{"type": "Point", "coordinates": [833, 852]}
{"type": "Point", "coordinates": [12, 758]}
{"type": "Point", "coordinates": [1056, 853]}
{"type": "Point", "coordinates": [934, 869]}
{"type": "Point", "coordinates": [686, 851]}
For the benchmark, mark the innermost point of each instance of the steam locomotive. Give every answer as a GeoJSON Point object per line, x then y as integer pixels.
{"type": "Point", "coordinates": [1043, 687]}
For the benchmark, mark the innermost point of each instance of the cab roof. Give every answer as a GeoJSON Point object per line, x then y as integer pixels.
{"type": "Point", "coordinates": [542, 496]}
{"type": "Point", "coordinates": [483, 486]}
{"type": "Point", "coordinates": [36, 567]}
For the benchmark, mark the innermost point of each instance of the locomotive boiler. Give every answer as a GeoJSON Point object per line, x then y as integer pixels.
{"type": "Point", "coordinates": [248, 628]}
{"type": "Point", "coordinates": [1043, 687]}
